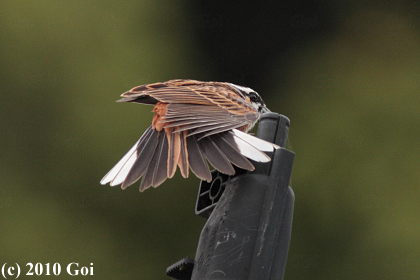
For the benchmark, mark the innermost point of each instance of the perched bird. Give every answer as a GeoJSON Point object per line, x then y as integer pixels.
{"type": "Point", "coordinates": [194, 122]}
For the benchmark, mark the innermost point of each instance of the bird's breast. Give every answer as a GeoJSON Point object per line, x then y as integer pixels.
{"type": "Point", "coordinates": [160, 112]}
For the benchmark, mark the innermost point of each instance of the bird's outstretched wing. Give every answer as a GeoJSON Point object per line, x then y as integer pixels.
{"type": "Point", "coordinates": [212, 107]}
{"type": "Point", "coordinates": [194, 122]}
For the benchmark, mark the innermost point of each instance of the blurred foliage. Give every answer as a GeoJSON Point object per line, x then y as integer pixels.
{"type": "Point", "coordinates": [346, 73]}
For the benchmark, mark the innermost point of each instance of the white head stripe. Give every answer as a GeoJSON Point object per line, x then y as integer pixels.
{"type": "Point", "coordinates": [241, 88]}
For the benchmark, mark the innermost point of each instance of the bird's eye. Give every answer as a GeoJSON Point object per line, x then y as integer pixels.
{"type": "Point", "coordinates": [253, 96]}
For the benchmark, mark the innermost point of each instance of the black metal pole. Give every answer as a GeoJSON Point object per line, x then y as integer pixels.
{"type": "Point", "coordinates": [248, 230]}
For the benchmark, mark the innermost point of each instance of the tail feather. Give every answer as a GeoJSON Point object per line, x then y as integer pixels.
{"type": "Point", "coordinates": [215, 156]}
{"type": "Point", "coordinates": [174, 151]}
{"type": "Point", "coordinates": [183, 157]}
{"type": "Point", "coordinates": [197, 160]}
{"type": "Point", "coordinates": [157, 154]}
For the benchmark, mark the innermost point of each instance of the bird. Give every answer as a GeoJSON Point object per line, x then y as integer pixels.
{"type": "Point", "coordinates": [194, 123]}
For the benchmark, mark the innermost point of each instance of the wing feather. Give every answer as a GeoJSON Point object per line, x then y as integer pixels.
{"type": "Point", "coordinates": [250, 151]}
{"type": "Point", "coordinates": [161, 169]}
{"type": "Point", "coordinates": [119, 172]}
{"type": "Point", "coordinates": [232, 153]}
{"type": "Point", "coordinates": [151, 169]}
{"type": "Point", "coordinates": [144, 157]}
{"type": "Point", "coordinates": [255, 141]}
{"type": "Point", "coordinates": [191, 100]}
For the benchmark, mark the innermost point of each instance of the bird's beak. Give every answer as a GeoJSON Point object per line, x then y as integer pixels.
{"type": "Point", "coordinates": [265, 110]}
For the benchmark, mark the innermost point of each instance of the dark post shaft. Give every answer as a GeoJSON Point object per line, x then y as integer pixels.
{"type": "Point", "coordinates": [248, 233]}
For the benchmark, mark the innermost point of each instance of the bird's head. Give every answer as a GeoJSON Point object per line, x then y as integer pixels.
{"type": "Point", "coordinates": [252, 97]}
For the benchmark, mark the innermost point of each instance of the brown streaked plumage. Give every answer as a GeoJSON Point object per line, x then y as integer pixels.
{"type": "Point", "coordinates": [193, 122]}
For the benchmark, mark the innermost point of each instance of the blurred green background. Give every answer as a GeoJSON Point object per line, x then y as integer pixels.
{"type": "Point", "coordinates": [346, 73]}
